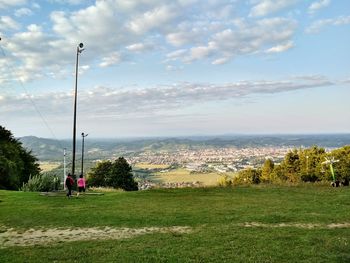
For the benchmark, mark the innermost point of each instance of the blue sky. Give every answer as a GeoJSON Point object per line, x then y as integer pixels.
{"type": "Point", "coordinates": [181, 67]}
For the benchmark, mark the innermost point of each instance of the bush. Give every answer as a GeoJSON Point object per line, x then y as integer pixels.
{"type": "Point", "coordinates": [224, 181]}
{"type": "Point", "coordinates": [41, 183]}
{"type": "Point", "coordinates": [248, 176]}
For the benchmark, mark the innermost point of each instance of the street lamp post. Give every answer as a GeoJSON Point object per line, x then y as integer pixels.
{"type": "Point", "coordinates": [83, 135]}
{"type": "Point", "coordinates": [79, 50]}
{"type": "Point", "coordinates": [64, 169]}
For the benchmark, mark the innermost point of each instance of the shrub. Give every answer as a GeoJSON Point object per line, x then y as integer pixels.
{"type": "Point", "coordinates": [248, 176]}
{"type": "Point", "coordinates": [224, 181]}
{"type": "Point", "coordinates": [41, 183]}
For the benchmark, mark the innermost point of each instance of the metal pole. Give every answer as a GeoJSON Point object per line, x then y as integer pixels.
{"type": "Point", "coordinates": [64, 169]}
{"type": "Point", "coordinates": [332, 171]}
{"type": "Point", "coordinates": [79, 50]}
{"type": "Point", "coordinates": [82, 153]}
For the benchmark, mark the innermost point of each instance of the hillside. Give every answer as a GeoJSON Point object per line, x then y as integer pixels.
{"type": "Point", "coordinates": [238, 224]}
{"type": "Point", "coordinates": [49, 149]}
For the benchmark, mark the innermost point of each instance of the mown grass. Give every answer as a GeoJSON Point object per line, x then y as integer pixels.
{"type": "Point", "coordinates": [215, 214]}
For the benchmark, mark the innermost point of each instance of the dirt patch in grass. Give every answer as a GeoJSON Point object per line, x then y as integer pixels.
{"type": "Point", "coordinates": [12, 237]}
{"type": "Point", "coordinates": [298, 225]}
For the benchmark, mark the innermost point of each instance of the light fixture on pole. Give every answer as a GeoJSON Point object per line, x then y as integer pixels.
{"type": "Point", "coordinates": [330, 162]}
{"type": "Point", "coordinates": [79, 50]}
{"type": "Point", "coordinates": [83, 135]}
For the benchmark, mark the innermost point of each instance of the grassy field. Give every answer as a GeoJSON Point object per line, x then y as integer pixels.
{"type": "Point", "coordinates": [183, 175]}
{"type": "Point", "coordinates": [151, 166]}
{"type": "Point", "coordinates": [48, 166]}
{"type": "Point", "coordinates": [241, 224]}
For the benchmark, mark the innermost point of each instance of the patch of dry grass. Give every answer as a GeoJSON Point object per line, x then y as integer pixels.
{"type": "Point", "coordinates": [32, 237]}
{"type": "Point", "coordinates": [151, 166]}
{"type": "Point", "coordinates": [183, 175]}
{"type": "Point", "coordinates": [48, 166]}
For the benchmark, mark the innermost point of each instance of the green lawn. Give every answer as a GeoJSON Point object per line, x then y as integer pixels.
{"type": "Point", "coordinates": [241, 224]}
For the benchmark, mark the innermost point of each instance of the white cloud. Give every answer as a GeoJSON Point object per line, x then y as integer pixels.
{"type": "Point", "coordinates": [113, 30]}
{"type": "Point", "coordinates": [201, 52]}
{"type": "Point", "coordinates": [177, 54]}
{"type": "Point", "coordinates": [36, 5]}
{"type": "Point", "coordinates": [246, 38]}
{"type": "Point", "coordinates": [23, 12]}
{"type": "Point", "coordinates": [152, 19]}
{"type": "Point", "coordinates": [29, 46]}
{"type": "Point", "coordinates": [70, 2]}
{"type": "Point", "coordinates": [139, 47]}
{"type": "Point", "coordinates": [316, 26]}
{"type": "Point", "coordinates": [267, 7]}
{"type": "Point", "coordinates": [11, 3]}
{"type": "Point", "coordinates": [280, 48]}
{"type": "Point", "coordinates": [186, 33]}
{"type": "Point", "coordinates": [220, 61]}
{"type": "Point", "coordinates": [115, 102]}
{"type": "Point", "coordinates": [113, 59]}
{"type": "Point", "coordinates": [315, 6]}
{"type": "Point", "coordinates": [7, 23]}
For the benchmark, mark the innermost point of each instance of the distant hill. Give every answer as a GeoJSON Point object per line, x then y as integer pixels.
{"type": "Point", "coordinates": [49, 149]}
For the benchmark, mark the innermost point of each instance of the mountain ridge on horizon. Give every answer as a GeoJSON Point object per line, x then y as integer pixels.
{"type": "Point", "coordinates": [52, 149]}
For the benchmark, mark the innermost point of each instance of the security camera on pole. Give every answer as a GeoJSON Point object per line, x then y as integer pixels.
{"type": "Point", "coordinates": [79, 50]}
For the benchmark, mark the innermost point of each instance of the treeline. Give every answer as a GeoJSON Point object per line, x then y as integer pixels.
{"type": "Point", "coordinates": [17, 164]}
{"type": "Point", "coordinates": [301, 165]}
{"type": "Point", "coordinates": [19, 170]}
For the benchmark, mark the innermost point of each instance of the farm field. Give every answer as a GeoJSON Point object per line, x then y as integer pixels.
{"type": "Point", "coordinates": [48, 166]}
{"type": "Point", "coordinates": [182, 175]}
{"type": "Point", "coordinates": [240, 224]}
{"type": "Point", "coordinates": [151, 166]}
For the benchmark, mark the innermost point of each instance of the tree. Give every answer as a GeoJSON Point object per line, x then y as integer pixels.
{"type": "Point", "coordinates": [311, 159]}
{"type": "Point", "coordinates": [278, 174]}
{"type": "Point", "coordinates": [267, 170]}
{"type": "Point", "coordinates": [121, 176]}
{"type": "Point", "coordinates": [99, 174]}
{"type": "Point", "coordinates": [17, 164]}
{"type": "Point", "coordinates": [248, 176]}
{"type": "Point", "coordinates": [291, 166]}
{"type": "Point", "coordinates": [342, 167]}
{"type": "Point", "coordinates": [117, 174]}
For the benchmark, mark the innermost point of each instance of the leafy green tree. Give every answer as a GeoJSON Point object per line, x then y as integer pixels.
{"type": "Point", "coordinates": [121, 176]}
{"type": "Point", "coordinates": [311, 168]}
{"type": "Point", "coordinates": [267, 170]}
{"type": "Point", "coordinates": [16, 163]}
{"type": "Point", "coordinates": [248, 176]}
{"type": "Point", "coordinates": [117, 174]}
{"type": "Point", "coordinates": [291, 166]}
{"type": "Point", "coordinates": [278, 174]}
{"type": "Point", "coordinates": [99, 174]}
{"type": "Point", "coordinates": [342, 167]}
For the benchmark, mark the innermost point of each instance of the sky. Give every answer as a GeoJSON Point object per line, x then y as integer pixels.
{"type": "Point", "coordinates": [175, 68]}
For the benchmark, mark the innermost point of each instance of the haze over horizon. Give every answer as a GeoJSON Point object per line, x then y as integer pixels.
{"type": "Point", "coordinates": [193, 136]}
{"type": "Point", "coordinates": [175, 68]}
